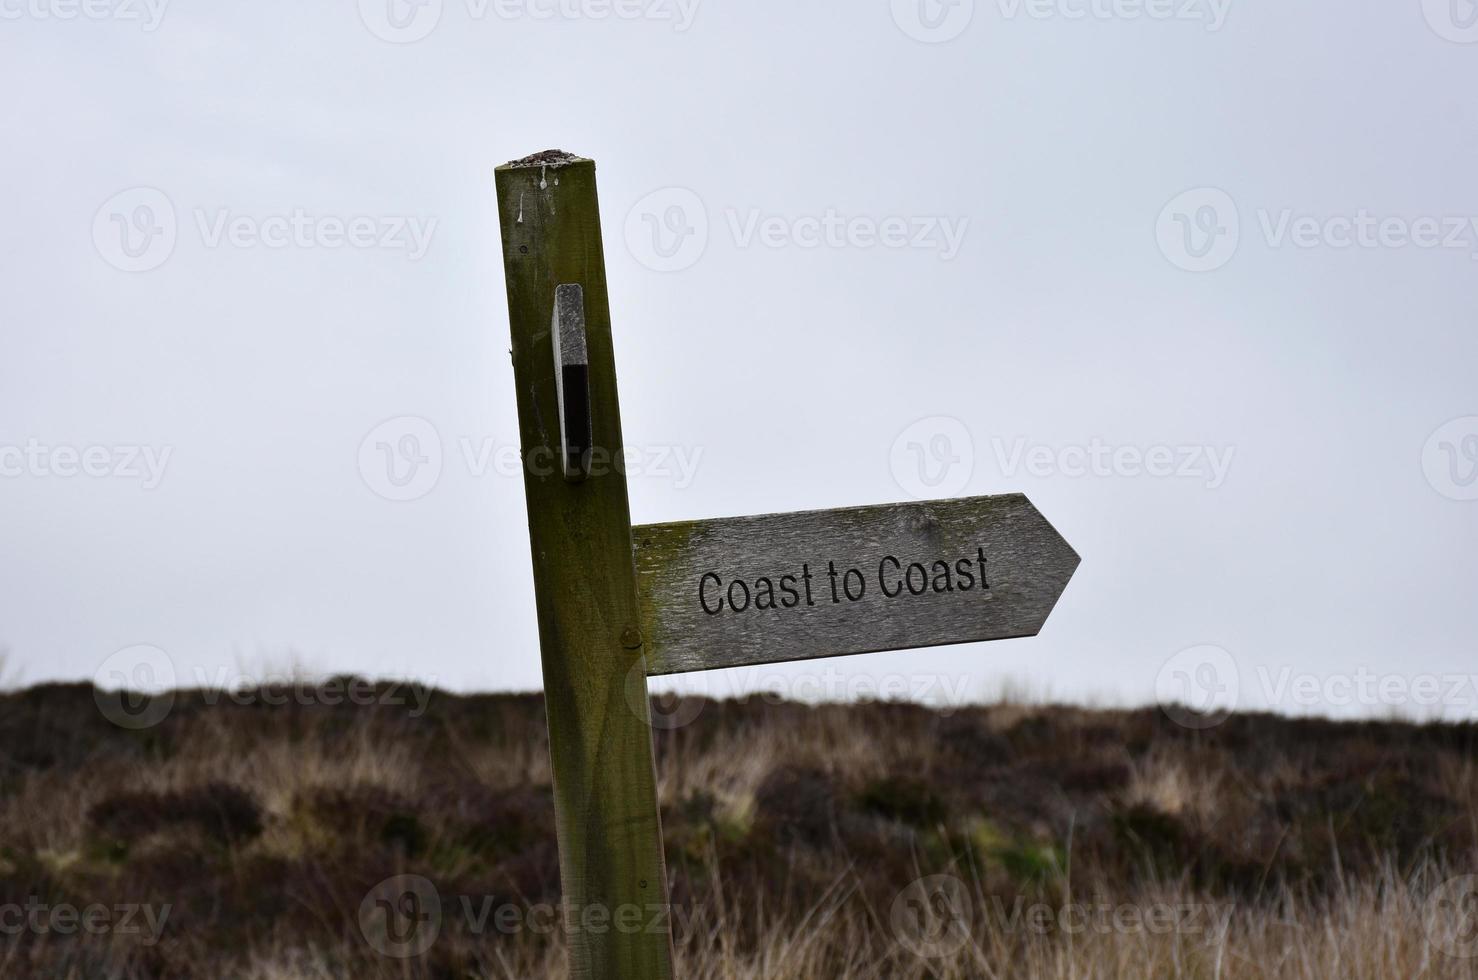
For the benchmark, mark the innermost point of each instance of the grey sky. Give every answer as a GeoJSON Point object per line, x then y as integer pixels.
{"type": "Point", "coordinates": [982, 219]}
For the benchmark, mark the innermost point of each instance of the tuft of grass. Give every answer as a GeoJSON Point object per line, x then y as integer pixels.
{"type": "Point", "coordinates": [794, 836]}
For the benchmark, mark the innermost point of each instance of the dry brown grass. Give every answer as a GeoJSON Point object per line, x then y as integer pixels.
{"type": "Point", "coordinates": [1306, 849]}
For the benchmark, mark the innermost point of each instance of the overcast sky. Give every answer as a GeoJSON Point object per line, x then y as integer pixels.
{"type": "Point", "coordinates": [1198, 277]}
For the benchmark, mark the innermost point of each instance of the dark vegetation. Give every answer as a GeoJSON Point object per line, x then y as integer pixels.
{"type": "Point", "coordinates": [264, 827]}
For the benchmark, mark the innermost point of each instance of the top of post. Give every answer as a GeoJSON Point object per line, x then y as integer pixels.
{"type": "Point", "coordinates": [545, 158]}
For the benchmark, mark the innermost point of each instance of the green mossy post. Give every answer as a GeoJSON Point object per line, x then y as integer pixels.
{"type": "Point", "coordinates": [600, 738]}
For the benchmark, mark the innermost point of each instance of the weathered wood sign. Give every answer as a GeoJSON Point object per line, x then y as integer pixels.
{"type": "Point", "coordinates": [779, 587]}
{"type": "Point", "coordinates": [618, 603]}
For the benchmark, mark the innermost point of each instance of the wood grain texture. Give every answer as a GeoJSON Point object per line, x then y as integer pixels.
{"type": "Point", "coordinates": [610, 837]}
{"type": "Point", "coordinates": [692, 621]}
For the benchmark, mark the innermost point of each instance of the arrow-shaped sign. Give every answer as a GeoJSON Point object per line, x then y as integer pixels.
{"type": "Point", "coordinates": [825, 583]}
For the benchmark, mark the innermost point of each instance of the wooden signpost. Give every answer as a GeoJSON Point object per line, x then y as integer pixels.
{"type": "Point", "coordinates": [617, 602]}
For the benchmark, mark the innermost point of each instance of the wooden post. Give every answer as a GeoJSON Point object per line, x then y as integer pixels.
{"type": "Point", "coordinates": [600, 740]}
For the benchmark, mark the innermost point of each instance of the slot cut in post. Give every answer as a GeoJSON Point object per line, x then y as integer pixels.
{"type": "Point", "coordinates": [572, 379]}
